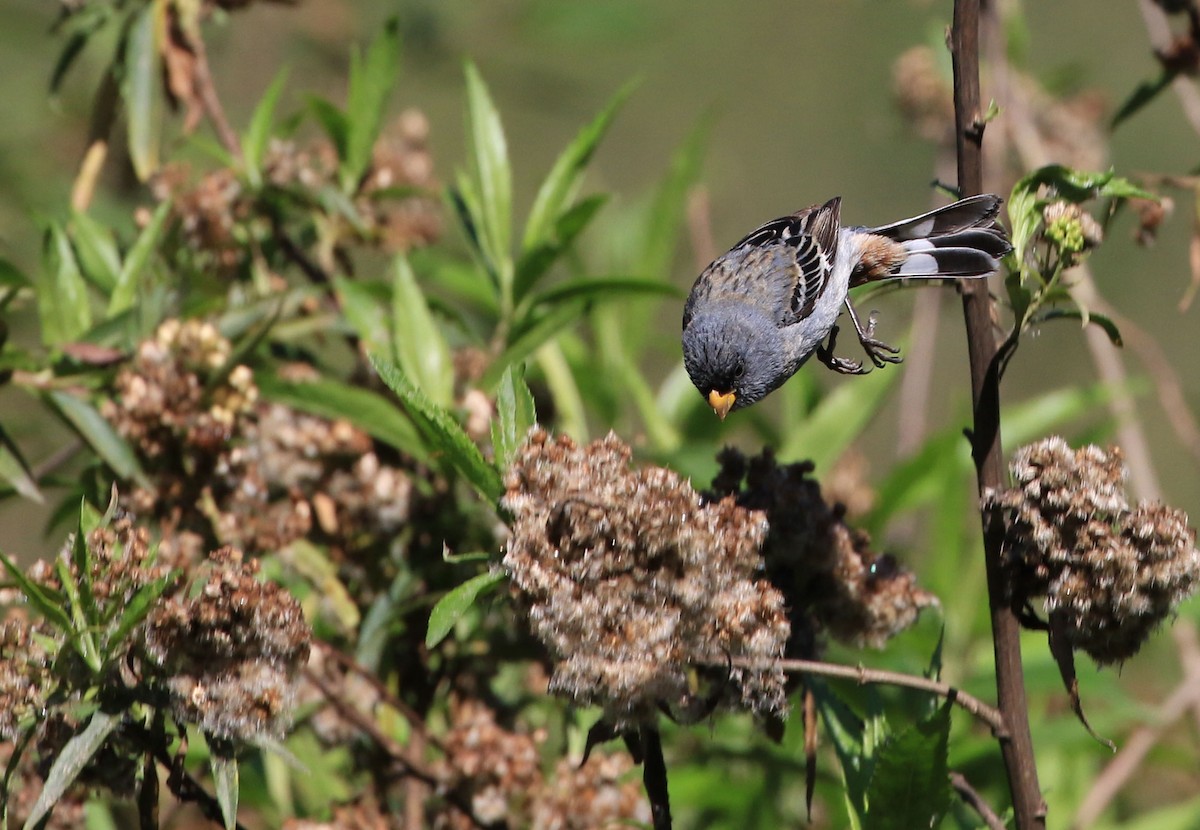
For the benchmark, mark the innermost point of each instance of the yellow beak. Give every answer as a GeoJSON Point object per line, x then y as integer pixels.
{"type": "Point", "coordinates": [721, 404]}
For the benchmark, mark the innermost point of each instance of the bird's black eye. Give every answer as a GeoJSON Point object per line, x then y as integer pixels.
{"type": "Point", "coordinates": [739, 370]}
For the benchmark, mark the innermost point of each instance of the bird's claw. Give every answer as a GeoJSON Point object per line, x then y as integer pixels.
{"type": "Point", "coordinates": [879, 352]}
{"type": "Point", "coordinates": [844, 365]}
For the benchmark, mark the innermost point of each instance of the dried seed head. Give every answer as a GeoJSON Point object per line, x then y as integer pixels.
{"type": "Point", "coordinates": [637, 587]}
{"type": "Point", "coordinates": [1110, 573]}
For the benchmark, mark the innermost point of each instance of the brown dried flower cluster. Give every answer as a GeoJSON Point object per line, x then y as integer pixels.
{"type": "Point", "coordinates": [230, 652]}
{"type": "Point", "coordinates": [1109, 573]}
{"type": "Point", "coordinates": [499, 773]}
{"type": "Point", "coordinates": [832, 580]}
{"type": "Point", "coordinates": [25, 676]}
{"type": "Point", "coordinates": [221, 217]}
{"type": "Point", "coordinates": [634, 583]}
{"type": "Point", "coordinates": [924, 95]}
{"type": "Point", "coordinates": [254, 475]}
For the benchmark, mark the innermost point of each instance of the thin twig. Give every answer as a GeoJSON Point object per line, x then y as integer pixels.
{"type": "Point", "coordinates": [1017, 745]}
{"type": "Point", "coordinates": [202, 76]}
{"type": "Point", "coordinates": [863, 676]}
{"type": "Point", "coordinates": [972, 797]}
{"type": "Point", "coordinates": [654, 775]}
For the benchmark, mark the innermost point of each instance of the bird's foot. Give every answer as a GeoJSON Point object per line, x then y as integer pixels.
{"type": "Point", "coordinates": [844, 365]}
{"type": "Point", "coordinates": [879, 352]}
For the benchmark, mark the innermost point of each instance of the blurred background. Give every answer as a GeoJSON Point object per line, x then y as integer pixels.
{"type": "Point", "coordinates": [793, 103]}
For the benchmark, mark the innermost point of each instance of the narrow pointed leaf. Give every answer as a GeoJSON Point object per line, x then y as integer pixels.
{"type": "Point", "coordinates": [225, 777]}
{"type": "Point", "coordinates": [365, 307]}
{"type": "Point", "coordinates": [419, 346]}
{"type": "Point", "coordinates": [515, 414]}
{"type": "Point", "coordinates": [15, 470]}
{"type": "Point", "coordinates": [489, 155]}
{"type": "Point", "coordinates": [1104, 322]}
{"type": "Point", "coordinates": [63, 304]}
{"type": "Point", "coordinates": [564, 177]}
{"type": "Point", "coordinates": [258, 134]}
{"type": "Point", "coordinates": [445, 435]}
{"type": "Point", "coordinates": [137, 609]}
{"type": "Point", "coordinates": [605, 288]}
{"type": "Point", "coordinates": [96, 251]}
{"type": "Point", "coordinates": [105, 440]}
{"type": "Point", "coordinates": [333, 121]}
{"type": "Point", "coordinates": [371, 82]}
{"type": "Point", "coordinates": [130, 284]}
{"type": "Point", "coordinates": [38, 597]}
{"type": "Point", "coordinates": [532, 334]}
{"type": "Point", "coordinates": [367, 410]}
{"type": "Point", "coordinates": [1146, 92]}
{"type": "Point", "coordinates": [140, 89]}
{"type": "Point", "coordinates": [71, 760]}
{"type": "Point", "coordinates": [536, 261]}
{"type": "Point", "coordinates": [451, 607]}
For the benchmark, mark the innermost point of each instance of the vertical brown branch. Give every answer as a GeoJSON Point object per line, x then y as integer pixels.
{"type": "Point", "coordinates": [1017, 746]}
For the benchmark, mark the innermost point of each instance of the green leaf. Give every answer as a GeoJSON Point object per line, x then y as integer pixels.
{"type": "Point", "coordinates": [444, 433]}
{"type": "Point", "coordinates": [12, 277]}
{"type": "Point", "coordinates": [129, 284]}
{"type": "Point", "coordinates": [62, 298]}
{"type": "Point", "coordinates": [367, 410]}
{"type": "Point", "coordinates": [258, 134]}
{"type": "Point", "coordinates": [95, 251]}
{"type": "Point", "coordinates": [99, 434]}
{"type": "Point", "coordinates": [15, 470]}
{"type": "Point", "coordinates": [365, 307]}
{"type": "Point", "coordinates": [533, 332]}
{"type": "Point", "coordinates": [333, 121]}
{"type": "Point", "coordinates": [488, 151]}
{"type": "Point", "coordinates": [451, 607]}
{"type": "Point", "coordinates": [371, 82]}
{"type": "Point", "coordinates": [564, 177]}
{"type": "Point", "coordinates": [515, 414]}
{"type": "Point", "coordinates": [140, 76]}
{"type": "Point", "coordinates": [419, 346]}
{"type": "Point", "coordinates": [1106, 323]}
{"type": "Point", "coordinates": [80, 635]}
{"type": "Point", "coordinates": [137, 609]}
{"type": "Point", "coordinates": [536, 261]}
{"type": "Point", "coordinates": [40, 598]}
{"type": "Point", "coordinates": [854, 740]}
{"type": "Point", "coordinates": [71, 760]}
{"type": "Point", "coordinates": [837, 420]}
{"type": "Point", "coordinates": [1145, 92]}
{"type": "Point", "coordinates": [910, 785]}
{"type": "Point", "coordinates": [605, 288]}
{"type": "Point", "coordinates": [666, 213]}
{"type": "Point", "coordinates": [225, 777]}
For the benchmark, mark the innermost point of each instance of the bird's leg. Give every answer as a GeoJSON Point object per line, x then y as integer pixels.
{"type": "Point", "coordinates": [879, 352]}
{"type": "Point", "coordinates": [838, 364]}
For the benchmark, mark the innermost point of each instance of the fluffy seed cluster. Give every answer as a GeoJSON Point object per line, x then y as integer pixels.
{"type": "Point", "coordinates": [831, 578]}
{"type": "Point", "coordinates": [231, 651]}
{"type": "Point", "coordinates": [499, 772]}
{"type": "Point", "coordinates": [25, 677]}
{"type": "Point", "coordinates": [1109, 573]}
{"type": "Point", "coordinates": [634, 583]}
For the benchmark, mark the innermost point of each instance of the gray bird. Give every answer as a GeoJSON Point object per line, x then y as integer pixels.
{"type": "Point", "coordinates": [758, 312]}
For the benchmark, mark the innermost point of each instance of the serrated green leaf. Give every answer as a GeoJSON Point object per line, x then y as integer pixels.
{"type": "Point", "coordinates": [130, 284]}
{"type": "Point", "coordinates": [63, 305]}
{"type": "Point", "coordinates": [564, 177]}
{"type": "Point", "coordinates": [837, 420]}
{"type": "Point", "coordinates": [851, 742]}
{"type": "Point", "coordinates": [140, 74]}
{"type": "Point", "coordinates": [451, 607]}
{"type": "Point", "coordinates": [515, 414]}
{"type": "Point", "coordinates": [41, 599]}
{"type": "Point", "coordinates": [1085, 317]}
{"type": "Point", "coordinates": [99, 434]}
{"type": "Point", "coordinates": [910, 785]}
{"type": "Point", "coordinates": [71, 760]}
{"type": "Point", "coordinates": [446, 437]}
{"type": "Point", "coordinates": [371, 82]}
{"type": "Point", "coordinates": [96, 251]}
{"type": "Point", "coordinates": [488, 152]}
{"type": "Point", "coordinates": [258, 133]}
{"type": "Point", "coordinates": [225, 778]}
{"type": "Point", "coordinates": [418, 344]}
{"type": "Point", "coordinates": [370, 412]}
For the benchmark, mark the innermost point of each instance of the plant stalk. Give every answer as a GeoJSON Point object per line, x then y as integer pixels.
{"type": "Point", "coordinates": [1017, 745]}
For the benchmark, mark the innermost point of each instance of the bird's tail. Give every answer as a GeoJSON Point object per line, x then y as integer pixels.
{"type": "Point", "coordinates": [961, 240]}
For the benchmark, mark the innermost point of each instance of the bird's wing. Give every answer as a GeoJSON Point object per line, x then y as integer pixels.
{"type": "Point", "coordinates": [806, 241]}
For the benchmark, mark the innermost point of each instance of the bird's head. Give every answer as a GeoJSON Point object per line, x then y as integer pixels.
{"type": "Point", "coordinates": [734, 355]}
